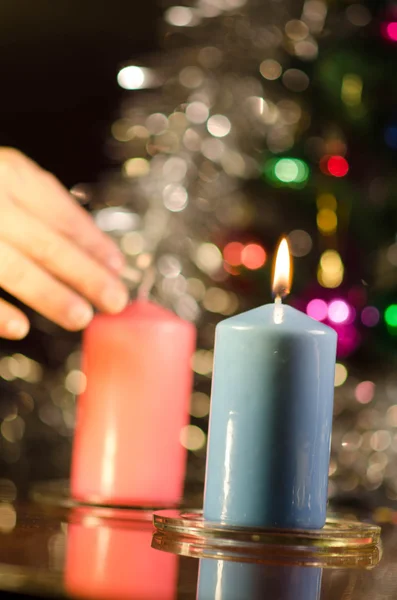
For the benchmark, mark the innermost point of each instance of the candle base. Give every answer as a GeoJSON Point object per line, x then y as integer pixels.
{"type": "Point", "coordinates": [57, 493]}
{"type": "Point", "coordinates": [341, 543]}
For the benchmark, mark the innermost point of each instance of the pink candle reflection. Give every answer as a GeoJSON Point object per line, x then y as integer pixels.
{"type": "Point", "coordinates": [112, 559]}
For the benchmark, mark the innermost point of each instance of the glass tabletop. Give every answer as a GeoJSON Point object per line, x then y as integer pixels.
{"type": "Point", "coordinates": [107, 554]}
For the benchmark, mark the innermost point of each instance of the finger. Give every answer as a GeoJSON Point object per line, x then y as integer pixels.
{"type": "Point", "coordinates": [25, 280]}
{"type": "Point", "coordinates": [14, 325]}
{"type": "Point", "coordinates": [62, 258]}
{"type": "Point", "coordinates": [43, 195]}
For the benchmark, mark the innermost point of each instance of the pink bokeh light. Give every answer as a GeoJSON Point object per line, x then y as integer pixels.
{"type": "Point", "coordinates": [317, 309]}
{"type": "Point", "coordinates": [348, 339]}
{"type": "Point", "coordinates": [391, 31]}
{"type": "Point", "coordinates": [364, 392]}
{"type": "Point", "coordinates": [339, 311]}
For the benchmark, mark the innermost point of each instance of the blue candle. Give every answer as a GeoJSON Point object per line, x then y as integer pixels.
{"type": "Point", "coordinates": [271, 417]}
{"type": "Point", "coordinates": [225, 580]}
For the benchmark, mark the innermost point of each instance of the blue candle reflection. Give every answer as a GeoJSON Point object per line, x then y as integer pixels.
{"type": "Point", "coordinates": [227, 580]}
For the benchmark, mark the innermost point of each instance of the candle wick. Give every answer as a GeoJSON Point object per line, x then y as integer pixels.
{"type": "Point", "coordinates": [147, 284]}
{"type": "Point", "coordinates": [278, 314]}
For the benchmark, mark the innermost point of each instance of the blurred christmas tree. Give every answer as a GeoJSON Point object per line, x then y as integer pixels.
{"type": "Point", "coordinates": [258, 119]}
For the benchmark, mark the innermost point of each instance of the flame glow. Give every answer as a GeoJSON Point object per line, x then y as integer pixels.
{"type": "Point", "coordinates": [282, 274]}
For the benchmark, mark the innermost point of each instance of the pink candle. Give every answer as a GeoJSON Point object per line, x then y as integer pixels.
{"type": "Point", "coordinates": [127, 448]}
{"type": "Point", "coordinates": [113, 559]}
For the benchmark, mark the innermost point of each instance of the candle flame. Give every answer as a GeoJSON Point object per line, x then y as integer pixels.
{"type": "Point", "coordinates": [282, 274]}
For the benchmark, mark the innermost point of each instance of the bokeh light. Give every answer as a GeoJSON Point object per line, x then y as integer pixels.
{"type": "Point", "coordinates": [306, 49]}
{"type": "Point", "coordinates": [202, 362]}
{"type": "Point", "coordinates": [391, 31]}
{"type": "Point", "coordinates": [212, 148]}
{"type": "Point", "coordinates": [199, 405]}
{"type": "Point", "coordinates": [370, 316]}
{"type": "Point", "coordinates": [287, 170]}
{"type": "Point", "coordinates": [117, 219]}
{"type": "Point", "coordinates": [358, 15]}
{"type": "Point", "coordinates": [337, 166]}
{"type": "Point", "coordinates": [380, 441]}
{"type": "Point", "coordinates": [296, 80]}
{"type": "Point", "coordinates": [339, 311]}
{"type": "Point", "coordinates": [300, 243]}
{"type": "Point", "coordinates": [317, 309]}
{"type": "Point", "coordinates": [156, 123]}
{"type": "Point", "coordinates": [232, 253]}
{"type": "Point", "coordinates": [253, 256]}
{"type": "Point", "coordinates": [352, 441]}
{"type": "Point", "coordinates": [75, 381]}
{"type": "Point", "coordinates": [174, 169]}
{"type": "Point", "coordinates": [210, 56]}
{"type": "Point", "coordinates": [175, 197]}
{"type": "Point", "coordinates": [216, 300]}
{"type": "Point", "coordinates": [144, 260]}
{"type": "Point", "coordinates": [314, 13]}
{"type": "Point", "coordinates": [327, 221]}
{"type": "Point", "coordinates": [364, 392]}
{"type": "Point", "coordinates": [136, 167]}
{"type": "Point", "coordinates": [390, 136]}
{"type": "Point", "coordinates": [391, 254]}
{"type": "Point", "coordinates": [169, 266]}
{"type": "Point", "coordinates": [8, 517]}
{"type": "Point", "coordinates": [352, 88]}
{"type": "Point", "coordinates": [191, 77]}
{"type": "Point", "coordinates": [219, 126]}
{"type": "Point", "coordinates": [122, 130]}
{"type": "Point", "coordinates": [135, 78]}
{"type": "Point", "coordinates": [296, 30]}
{"type": "Point", "coordinates": [341, 374]}
{"type": "Point", "coordinates": [187, 307]}
{"type": "Point", "coordinates": [196, 288]}
{"type": "Point", "coordinates": [391, 315]}
{"type": "Point", "coordinates": [197, 112]}
{"type": "Point", "coordinates": [391, 415]}
{"type": "Point", "coordinates": [13, 430]}
{"type": "Point", "coordinates": [326, 201]}
{"type": "Point", "coordinates": [330, 272]}
{"type": "Point", "coordinates": [132, 243]}
{"type": "Point", "coordinates": [192, 438]}
{"type": "Point", "coordinates": [291, 170]}
{"type": "Point", "coordinates": [180, 16]}
{"type": "Point", "coordinates": [208, 258]}
{"type": "Point", "coordinates": [270, 69]}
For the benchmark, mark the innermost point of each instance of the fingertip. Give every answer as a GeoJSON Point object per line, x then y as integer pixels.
{"type": "Point", "coordinates": [114, 299]}
{"type": "Point", "coordinates": [80, 315]}
{"type": "Point", "coordinates": [17, 329]}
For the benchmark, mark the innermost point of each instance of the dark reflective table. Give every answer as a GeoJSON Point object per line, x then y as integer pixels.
{"type": "Point", "coordinates": [48, 551]}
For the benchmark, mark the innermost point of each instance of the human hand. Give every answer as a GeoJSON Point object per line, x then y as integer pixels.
{"type": "Point", "coordinates": [52, 256]}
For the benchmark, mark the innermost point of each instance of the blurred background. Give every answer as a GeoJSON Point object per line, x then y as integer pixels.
{"type": "Point", "coordinates": [198, 134]}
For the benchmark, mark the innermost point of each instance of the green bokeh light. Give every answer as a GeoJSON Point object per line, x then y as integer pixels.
{"type": "Point", "coordinates": [288, 171]}
{"type": "Point", "coordinates": [391, 315]}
